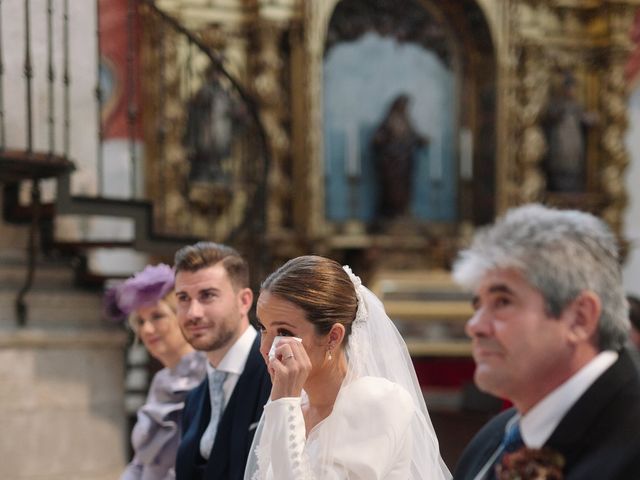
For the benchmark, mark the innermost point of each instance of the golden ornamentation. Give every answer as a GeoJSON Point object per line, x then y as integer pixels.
{"type": "Point", "coordinates": [273, 103]}
{"type": "Point", "coordinates": [613, 146]}
{"type": "Point", "coordinates": [532, 148]}
{"type": "Point", "coordinates": [533, 40]}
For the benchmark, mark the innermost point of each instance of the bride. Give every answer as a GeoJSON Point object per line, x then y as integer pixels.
{"type": "Point", "coordinates": [345, 402]}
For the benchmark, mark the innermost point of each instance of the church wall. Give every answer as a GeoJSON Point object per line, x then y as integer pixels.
{"type": "Point", "coordinates": [61, 404]}
{"type": "Point", "coordinates": [82, 83]}
{"type": "Point", "coordinates": [632, 214]}
{"type": "Point", "coordinates": [353, 109]}
{"type": "Point", "coordinates": [61, 400]}
{"type": "Point", "coordinates": [62, 375]}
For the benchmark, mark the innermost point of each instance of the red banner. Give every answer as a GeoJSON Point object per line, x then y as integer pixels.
{"type": "Point", "coordinates": [120, 72]}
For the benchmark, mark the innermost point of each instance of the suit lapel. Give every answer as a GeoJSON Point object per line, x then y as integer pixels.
{"type": "Point", "coordinates": [575, 430]}
{"type": "Point", "coordinates": [204, 411]}
{"type": "Point", "coordinates": [482, 447]}
{"type": "Point", "coordinates": [252, 385]}
{"type": "Point", "coordinates": [490, 445]}
{"type": "Point", "coordinates": [189, 451]}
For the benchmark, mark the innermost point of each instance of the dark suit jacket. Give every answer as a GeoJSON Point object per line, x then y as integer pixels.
{"type": "Point", "coordinates": [235, 430]}
{"type": "Point", "coordinates": [599, 436]}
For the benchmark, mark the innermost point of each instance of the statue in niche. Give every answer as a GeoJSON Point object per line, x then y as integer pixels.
{"type": "Point", "coordinates": [566, 122]}
{"type": "Point", "coordinates": [394, 146]}
{"type": "Point", "coordinates": [214, 117]}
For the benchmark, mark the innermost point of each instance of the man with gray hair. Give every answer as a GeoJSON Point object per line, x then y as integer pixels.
{"type": "Point", "coordinates": [548, 332]}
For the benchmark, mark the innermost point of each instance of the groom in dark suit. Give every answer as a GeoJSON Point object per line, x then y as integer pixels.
{"type": "Point", "coordinates": [548, 332]}
{"type": "Point", "coordinates": [221, 414]}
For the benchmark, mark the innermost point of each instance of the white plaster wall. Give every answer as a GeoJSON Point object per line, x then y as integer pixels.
{"type": "Point", "coordinates": [82, 73]}
{"type": "Point", "coordinates": [83, 118]}
{"type": "Point", "coordinates": [61, 378]}
{"type": "Point", "coordinates": [61, 405]}
{"type": "Point", "coordinates": [631, 269]}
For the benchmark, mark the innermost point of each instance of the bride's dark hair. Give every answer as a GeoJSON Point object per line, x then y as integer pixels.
{"type": "Point", "coordinates": [320, 287]}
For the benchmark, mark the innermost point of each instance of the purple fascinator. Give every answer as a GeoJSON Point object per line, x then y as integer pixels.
{"type": "Point", "coordinates": [144, 288]}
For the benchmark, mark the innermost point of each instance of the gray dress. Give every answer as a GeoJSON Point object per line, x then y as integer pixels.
{"type": "Point", "coordinates": [156, 435]}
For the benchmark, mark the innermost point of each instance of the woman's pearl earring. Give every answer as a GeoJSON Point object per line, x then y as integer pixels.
{"type": "Point", "coordinates": [330, 357]}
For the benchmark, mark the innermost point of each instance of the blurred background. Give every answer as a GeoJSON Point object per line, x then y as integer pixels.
{"type": "Point", "coordinates": [381, 133]}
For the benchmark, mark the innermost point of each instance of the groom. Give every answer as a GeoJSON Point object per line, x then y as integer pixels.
{"type": "Point", "coordinates": [548, 332]}
{"type": "Point", "coordinates": [221, 414]}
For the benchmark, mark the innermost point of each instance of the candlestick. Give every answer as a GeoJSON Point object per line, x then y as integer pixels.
{"type": "Point", "coordinates": [435, 165]}
{"type": "Point", "coordinates": [352, 150]}
{"type": "Point", "coordinates": [466, 154]}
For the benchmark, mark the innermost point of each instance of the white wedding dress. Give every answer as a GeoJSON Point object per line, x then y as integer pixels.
{"type": "Point", "coordinates": [379, 427]}
{"type": "Point", "coordinates": [370, 419]}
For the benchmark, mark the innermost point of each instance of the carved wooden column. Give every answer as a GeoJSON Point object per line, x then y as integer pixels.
{"type": "Point", "coordinates": [590, 41]}
{"type": "Point", "coordinates": [315, 23]}
{"type": "Point", "coordinates": [615, 119]}
{"type": "Point", "coordinates": [271, 65]}
{"type": "Point", "coordinates": [508, 103]}
{"type": "Point", "coordinates": [526, 75]}
{"type": "Point", "coordinates": [620, 15]}
{"type": "Point", "coordinates": [532, 144]}
{"type": "Point", "coordinates": [267, 85]}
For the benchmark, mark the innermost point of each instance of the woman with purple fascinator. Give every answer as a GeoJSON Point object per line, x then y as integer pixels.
{"type": "Point", "coordinates": [147, 300]}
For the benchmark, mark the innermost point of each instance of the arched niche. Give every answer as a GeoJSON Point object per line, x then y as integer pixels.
{"type": "Point", "coordinates": [442, 56]}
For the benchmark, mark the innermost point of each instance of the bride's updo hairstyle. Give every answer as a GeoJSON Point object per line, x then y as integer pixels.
{"type": "Point", "coordinates": [320, 287]}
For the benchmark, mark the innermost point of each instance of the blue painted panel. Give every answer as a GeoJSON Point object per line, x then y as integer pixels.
{"type": "Point", "coordinates": [361, 80]}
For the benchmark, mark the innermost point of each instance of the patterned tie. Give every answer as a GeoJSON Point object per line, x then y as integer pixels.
{"type": "Point", "coordinates": [216, 379]}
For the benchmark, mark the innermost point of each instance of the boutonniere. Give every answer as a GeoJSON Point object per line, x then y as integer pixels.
{"type": "Point", "coordinates": [531, 464]}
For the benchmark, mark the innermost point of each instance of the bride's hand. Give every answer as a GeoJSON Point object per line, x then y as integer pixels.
{"type": "Point", "coordinates": [289, 369]}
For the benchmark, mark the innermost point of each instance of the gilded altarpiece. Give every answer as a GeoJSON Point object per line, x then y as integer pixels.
{"type": "Point", "coordinates": [512, 59]}
{"type": "Point", "coordinates": [562, 49]}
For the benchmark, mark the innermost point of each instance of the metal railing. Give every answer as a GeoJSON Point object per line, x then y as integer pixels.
{"type": "Point", "coordinates": [190, 128]}
{"type": "Point", "coordinates": [161, 121]}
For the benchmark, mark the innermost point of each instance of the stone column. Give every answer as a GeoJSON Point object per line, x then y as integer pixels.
{"type": "Point", "coordinates": [61, 404]}
{"type": "Point", "coordinates": [61, 377]}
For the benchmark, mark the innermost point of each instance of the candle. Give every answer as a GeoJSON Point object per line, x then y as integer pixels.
{"type": "Point", "coordinates": [435, 165]}
{"type": "Point", "coordinates": [466, 154]}
{"type": "Point", "coordinates": [352, 150]}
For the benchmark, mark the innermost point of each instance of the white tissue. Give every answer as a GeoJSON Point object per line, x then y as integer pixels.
{"type": "Point", "coordinates": [276, 341]}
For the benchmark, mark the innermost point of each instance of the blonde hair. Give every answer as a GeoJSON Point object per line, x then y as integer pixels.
{"type": "Point", "coordinates": [169, 299]}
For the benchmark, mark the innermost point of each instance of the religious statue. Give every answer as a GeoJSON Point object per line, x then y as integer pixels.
{"type": "Point", "coordinates": [565, 122]}
{"type": "Point", "coordinates": [214, 118]}
{"type": "Point", "coordinates": [394, 145]}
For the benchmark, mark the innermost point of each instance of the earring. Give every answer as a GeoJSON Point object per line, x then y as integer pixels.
{"type": "Point", "coordinates": [329, 352]}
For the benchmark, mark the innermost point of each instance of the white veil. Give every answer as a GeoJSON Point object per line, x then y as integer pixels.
{"type": "Point", "coordinates": [375, 348]}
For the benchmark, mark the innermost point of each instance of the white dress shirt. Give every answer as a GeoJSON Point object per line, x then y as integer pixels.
{"type": "Point", "coordinates": [233, 364]}
{"type": "Point", "coordinates": [234, 361]}
{"type": "Point", "coordinates": [540, 422]}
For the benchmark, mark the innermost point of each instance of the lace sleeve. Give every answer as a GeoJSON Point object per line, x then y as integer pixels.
{"type": "Point", "coordinates": [379, 427]}
{"type": "Point", "coordinates": [366, 436]}
{"type": "Point", "coordinates": [284, 437]}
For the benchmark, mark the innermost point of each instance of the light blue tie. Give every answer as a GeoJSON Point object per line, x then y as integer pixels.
{"type": "Point", "coordinates": [512, 439]}
{"type": "Point", "coordinates": [511, 442]}
{"type": "Point", "coordinates": [216, 395]}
